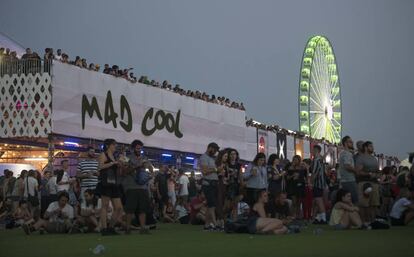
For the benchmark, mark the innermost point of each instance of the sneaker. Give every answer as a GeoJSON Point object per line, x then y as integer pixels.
{"type": "Point", "coordinates": [316, 222]}
{"type": "Point", "coordinates": [323, 222]}
{"type": "Point", "coordinates": [209, 228]}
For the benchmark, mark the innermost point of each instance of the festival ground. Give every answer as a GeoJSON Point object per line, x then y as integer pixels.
{"type": "Point", "coordinates": [186, 240]}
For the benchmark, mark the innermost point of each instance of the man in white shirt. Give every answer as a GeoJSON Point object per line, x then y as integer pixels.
{"type": "Point", "coordinates": [57, 218]}
{"type": "Point", "coordinates": [402, 212]}
{"type": "Point", "coordinates": [31, 185]}
{"type": "Point", "coordinates": [183, 181]}
{"type": "Point", "coordinates": [63, 182]}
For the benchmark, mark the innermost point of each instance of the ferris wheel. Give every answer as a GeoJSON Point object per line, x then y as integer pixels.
{"type": "Point", "coordinates": [319, 92]}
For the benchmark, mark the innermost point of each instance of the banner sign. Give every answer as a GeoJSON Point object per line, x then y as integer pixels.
{"type": "Point", "coordinates": [262, 142]}
{"type": "Point", "coordinates": [281, 145]}
{"type": "Point", "coordinates": [95, 105]}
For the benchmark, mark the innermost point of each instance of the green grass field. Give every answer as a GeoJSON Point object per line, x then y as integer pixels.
{"type": "Point", "coordinates": [172, 240]}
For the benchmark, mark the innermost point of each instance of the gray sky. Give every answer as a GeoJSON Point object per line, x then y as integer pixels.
{"type": "Point", "coordinates": [249, 51]}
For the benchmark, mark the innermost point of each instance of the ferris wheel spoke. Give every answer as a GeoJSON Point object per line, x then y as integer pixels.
{"type": "Point", "coordinates": [315, 81]}
{"type": "Point", "coordinates": [319, 127]}
{"type": "Point", "coordinates": [317, 119]}
{"type": "Point", "coordinates": [320, 71]}
{"type": "Point", "coordinates": [317, 104]}
{"type": "Point", "coordinates": [336, 122]}
{"type": "Point", "coordinates": [317, 112]}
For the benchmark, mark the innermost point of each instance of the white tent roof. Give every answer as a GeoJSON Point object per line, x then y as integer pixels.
{"type": "Point", "coordinates": [7, 42]}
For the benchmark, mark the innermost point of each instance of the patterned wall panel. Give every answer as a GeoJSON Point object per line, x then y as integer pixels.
{"type": "Point", "coordinates": [25, 105]}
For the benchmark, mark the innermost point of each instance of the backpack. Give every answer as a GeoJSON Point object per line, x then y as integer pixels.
{"type": "Point", "coordinates": [380, 224]}
{"type": "Point", "coordinates": [142, 177]}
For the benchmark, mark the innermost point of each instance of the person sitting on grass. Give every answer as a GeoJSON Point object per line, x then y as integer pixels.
{"type": "Point", "coordinates": [181, 211]}
{"type": "Point", "coordinates": [280, 207]}
{"type": "Point", "coordinates": [168, 212]}
{"type": "Point", "coordinates": [344, 214]}
{"type": "Point", "coordinates": [90, 211]}
{"type": "Point", "coordinates": [258, 223]}
{"type": "Point", "coordinates": [22, 214]}
{"type": "Point", "coordinates": [198, 208]}
{"type": "Point", "coordinates": [402, 212]}
{"type": "Point", "coordinates": [57, 219]}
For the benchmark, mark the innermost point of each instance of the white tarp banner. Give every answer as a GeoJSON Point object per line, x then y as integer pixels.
{"type": "Point", "coordinates": [95, 105]}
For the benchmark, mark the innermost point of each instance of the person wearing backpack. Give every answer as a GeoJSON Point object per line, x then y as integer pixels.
{"type": "Point", "coordinates": [136, 186]}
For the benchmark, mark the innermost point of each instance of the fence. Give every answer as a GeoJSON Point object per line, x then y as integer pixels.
{"type": "Point", "coordinates": [28, 66]}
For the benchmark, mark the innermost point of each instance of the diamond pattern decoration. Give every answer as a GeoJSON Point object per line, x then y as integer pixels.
{"type": "Point", "coordinates": [25, 105]}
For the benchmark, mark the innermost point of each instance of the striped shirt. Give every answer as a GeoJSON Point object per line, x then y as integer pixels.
{"type": "Point", "coordinates": [318, 172]}
{"type": "Point", "coordinates": [89, 166]}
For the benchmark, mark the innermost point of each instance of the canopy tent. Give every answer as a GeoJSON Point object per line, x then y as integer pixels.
{"type": "Point", "coordinates": [7, 42]}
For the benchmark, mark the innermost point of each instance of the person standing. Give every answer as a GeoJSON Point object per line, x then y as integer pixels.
{"type": "Point", "coordinates": [88, 172]}
{"type": "Point", "coordinates": [108, 187]}
{"type": "Point", "coordinates": [221, 164]}
{"type": "Point", "coordinates": [138, 200]}
{"type": "Point", "coordinates": [256, 177]}
{"type": "Point", "coordinates": [368, 173]}
{"type": "Point", "coordinates": [319, 184]}
{"type": "Point", "coordinates": [347, 169]}
{"type": "Point", "coordinates": [274, 176]}
{"type": "Point", "coordinates": [63, 180]}
{"type": "Point", "coordinates": [209, 184]}
{"type": "Point", "coordinates": [161, 184]}
{"type": "Point", "coordinates": [296, 176]}
{"type": "Point", "coordinates": [31, 191]}
{"type": "Point", "coordinates": [183, 182]}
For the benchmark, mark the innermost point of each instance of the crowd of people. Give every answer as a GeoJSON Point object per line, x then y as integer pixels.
{"type": "Point", "coordinates": [9, 59]}
{"type": "Point", "coordinates": [120, 192]}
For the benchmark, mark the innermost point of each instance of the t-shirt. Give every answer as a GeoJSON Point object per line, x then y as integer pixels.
{"type": "Point", "coordinates": [65, 187]}
{"type": "Point", "coordinates": [275, 185]}
{"type": "Point", "coordinates": [89, 167]}
{"type": "Point", "coordinates": [206, 160]}
{"type": "Point", "coordinates": [30, 186]}
{"type": "Point", "coordinates": [184, 181]}
{"type": "Point", "coordinates": [399, 207]}
{"type": "Point", "coordinates": [128, 182]}
{"type": "Point", "coordinates": [193, 210]}
{"type": "Point", "coordinates": [369, 164]}
{"type": "Point", "coordinates": [318, 172]}
{"type": "Point", "coordinates": [52, 186]}
{"type": "Point", "coordinates": [162, 180]}
{"type": "Point", "coordinates": [67, 210]}
{"type": "Point", "coordinates": [181, 211]}
{"type": "Point", "coordinates": [242, 209]}
{"type": "Point", "coordinates": [279, 211]}
{"type": "Point", "coordinates": [90, 207]}
{"type": "Point", "coordinates": [346, 158]}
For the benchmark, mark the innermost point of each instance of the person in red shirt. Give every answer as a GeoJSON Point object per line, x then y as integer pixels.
{"type": "Point", "coordinates": [198, 209]}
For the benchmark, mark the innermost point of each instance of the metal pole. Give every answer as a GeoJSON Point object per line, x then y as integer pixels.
{"type": "Point", "coordinates": [51, 150]}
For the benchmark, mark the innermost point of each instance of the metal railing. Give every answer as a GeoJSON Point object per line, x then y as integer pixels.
{"type": "Point", "coordinates": [27, 66]}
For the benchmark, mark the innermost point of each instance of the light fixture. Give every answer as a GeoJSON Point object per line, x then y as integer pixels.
{"type": "Point", "coordinates": [35, 159]}
{"type": "Point", "coordinates": [189, 158]}
{"type": "Point", "coordinates": [166, 155]}
{"type": "Point", "coordinates": [71, 143]}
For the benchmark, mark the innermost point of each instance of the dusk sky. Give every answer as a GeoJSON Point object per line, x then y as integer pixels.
{"type": "Point", "coordinates": [249, 51]}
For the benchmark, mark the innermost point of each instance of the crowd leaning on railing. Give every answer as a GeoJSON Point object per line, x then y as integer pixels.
{"type": "Point", "coordinates": [30, 62]}
{"type": "Point", "coordinates": [119, 191]}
